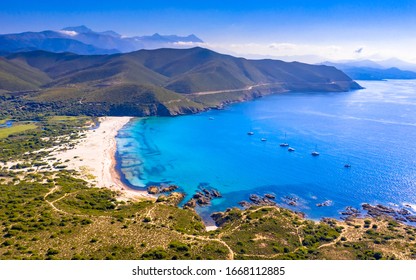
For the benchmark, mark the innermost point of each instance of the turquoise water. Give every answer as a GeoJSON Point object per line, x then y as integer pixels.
{"type": "Point", "coordinates": [373, 129]}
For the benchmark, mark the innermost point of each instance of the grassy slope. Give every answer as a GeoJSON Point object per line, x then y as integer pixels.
{"type": "Point", "coordinates": [146, 83]}
{"type": "Point", "coordinates": [184, 71]}
{"type": "Point", "coordinates": [64, 219]}
{"type": "Point", "coordinates": [15, 76]}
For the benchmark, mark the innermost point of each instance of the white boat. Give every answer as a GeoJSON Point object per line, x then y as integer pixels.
{"type": "Point", "coordinates": [284, 144]}
{"type": "Point", "coordinates": [263, 139]}
{"type": "Point", "coordinates": [290, 149]}
{"type": "Point", "coordinates": [315, 153]}
{"type": "Point", "coordinates": [250, 133]}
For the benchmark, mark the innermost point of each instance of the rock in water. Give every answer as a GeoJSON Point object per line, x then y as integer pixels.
{"type": "Point", "coordinates": [153, 190]}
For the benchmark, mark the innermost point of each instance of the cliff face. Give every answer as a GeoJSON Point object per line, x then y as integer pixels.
{"type": "Point", "coordinates": [158, 82]}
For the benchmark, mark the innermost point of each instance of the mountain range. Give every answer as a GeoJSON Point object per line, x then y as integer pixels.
{"type": "Point", "coordinates": [371, 70]}
{"type": "Point", "coordinates": [156, 82]}
{"type": "Point", "coordinates": [83, 40]}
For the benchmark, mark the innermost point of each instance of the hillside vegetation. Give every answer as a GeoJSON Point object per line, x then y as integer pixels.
{"type": "Point", "coordinates": [154, 82]}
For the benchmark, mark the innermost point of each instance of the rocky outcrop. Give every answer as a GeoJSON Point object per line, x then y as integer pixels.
{"type": "Point", "coordinates": [173, 198]}
{"type": "Point", "coordinates": [202, 197]}
{"type": "Point", "coordinates": [326, 203]}
{"type": "Point", "coordinates": [350, 212]}
{"type": "Point", "coordinates": [258, 201]}
{"type": "Point", "coordinates": [161, 189]}
{"type": "Point", "coordinates": [402, 215]}
{"type": "Point", "coordinates": [291, 200]}
{"type": "Point", "coordinates": [222, 217]}
{"type": "Point", "coordinates": [153, 190]}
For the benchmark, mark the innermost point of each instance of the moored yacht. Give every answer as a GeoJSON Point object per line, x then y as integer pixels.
{"type": "Point", "coordinates": [284, 144]}
{"type": "Point", "coordinates": [315, 153]}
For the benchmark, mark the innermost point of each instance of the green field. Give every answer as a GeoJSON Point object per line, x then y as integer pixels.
{"type": "Point", "coordinates": [65, 118]}
{"type": "Point", "coordinates": [7, 131]}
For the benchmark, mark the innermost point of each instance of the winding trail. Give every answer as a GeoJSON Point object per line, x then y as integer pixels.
{"type": "Point", "coordinates": [234, 90]}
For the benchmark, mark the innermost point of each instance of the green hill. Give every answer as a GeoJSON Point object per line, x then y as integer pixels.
{"type": "Point", "coordinates": [161, 82]}
{"type": "Point", "coordinates": [16, 76]}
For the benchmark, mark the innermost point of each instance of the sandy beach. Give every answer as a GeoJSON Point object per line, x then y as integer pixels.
{"type": "Point", "coordinates": [94, 157]}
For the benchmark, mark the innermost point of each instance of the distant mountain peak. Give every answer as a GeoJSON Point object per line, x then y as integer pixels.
{"type": "Point", "coordinates": [156, 35]}
{"type": "Point", "coordinates": [194, 38]}
{"type": "Point", "coordinates": [111, 33]}
{"type": "Point", "coordinates": [78, 29]}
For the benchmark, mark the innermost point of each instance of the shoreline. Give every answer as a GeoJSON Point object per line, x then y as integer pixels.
{"type": "Point", "coordinates": [95, 158]}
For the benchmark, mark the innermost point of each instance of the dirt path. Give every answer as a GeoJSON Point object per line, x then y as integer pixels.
{"type": "Point", "coordinates": [233, 90]}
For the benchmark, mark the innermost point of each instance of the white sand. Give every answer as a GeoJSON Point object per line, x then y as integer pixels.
{"type": "Point", "coordinates": [94, 157]}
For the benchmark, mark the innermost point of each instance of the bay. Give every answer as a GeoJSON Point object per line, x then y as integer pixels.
{"type": "Point", "coordinates": [373, 130]}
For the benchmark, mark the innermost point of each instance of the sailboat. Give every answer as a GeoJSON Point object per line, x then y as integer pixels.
{"type": "Point", "coordinates": [284, 144]}
{"type": "Point", "coordinates": [347, 165]}
{"type": "Point", "coordinates": [315, 153]}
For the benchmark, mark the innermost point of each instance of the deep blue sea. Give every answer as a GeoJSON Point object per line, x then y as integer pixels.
{"type": "Point", "coordinates": [373, 130]}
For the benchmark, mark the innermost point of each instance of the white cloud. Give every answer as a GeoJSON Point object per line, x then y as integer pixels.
{"type": "Point", "coordinates": [69, 33]}
{"type": "Point", "coordinates": [186, 44]}
{"type": "Point", "coordinates": [313, 53]}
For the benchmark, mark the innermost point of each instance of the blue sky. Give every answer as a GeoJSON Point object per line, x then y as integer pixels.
{"type": "Point", "coordinates": [329, 29]}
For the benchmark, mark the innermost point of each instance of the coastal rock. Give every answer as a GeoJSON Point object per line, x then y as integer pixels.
{"type": "Point", "coordinates": [190, 204]}
{"type": "Point", "coordinates": [254, 197]}
{"type": "Point", "coordinates": [161, 189]}
{"type": "Point", "coordinates": [206, 192]}
{"type": "Point", "coordinates": [378, 210]}
{"type": "Point", "coordinates": [219, 218]}
{"type": "Point", "coordinates": [270, 196]}
{"type": "Point", "coordinates": [350, 212]}
{"type": "Point", "coordinates": [161, 198]}
{"type": "Point", "coordinates": [202, 201]}
{"type": "Point", "coordinates": [198, 195]}
{"type": "Point", "coordinates": [404, 212]}
{"type": "Point", "coordinates": [258, 201]}
{"type": "Point", "coordinates": [291, 200]}
{"type": "Point", "coordinates": [222, 217]}
{"type": "Point", "coordinates": [411, 219]}
{"type": "Point", "coordinates": [245, 204]}
{"type": "Point", "coordinates": [326, 203]}
{"type": "Point", "coordinates": [402, 215]}
{"type": "Point", "coordinates": [203, 197]}
{"type": "Point", "coordinates": [216, 193]}
{"type": "Point", "coordinates": [153, 190]}
{"type": "Point", "coordinates": [166, 189]}
{"type": "Point", "coordinates": [173, 198]}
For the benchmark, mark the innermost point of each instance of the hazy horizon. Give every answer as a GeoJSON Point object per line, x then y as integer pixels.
{"type": "Point", "coordinates": [310, 31]}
